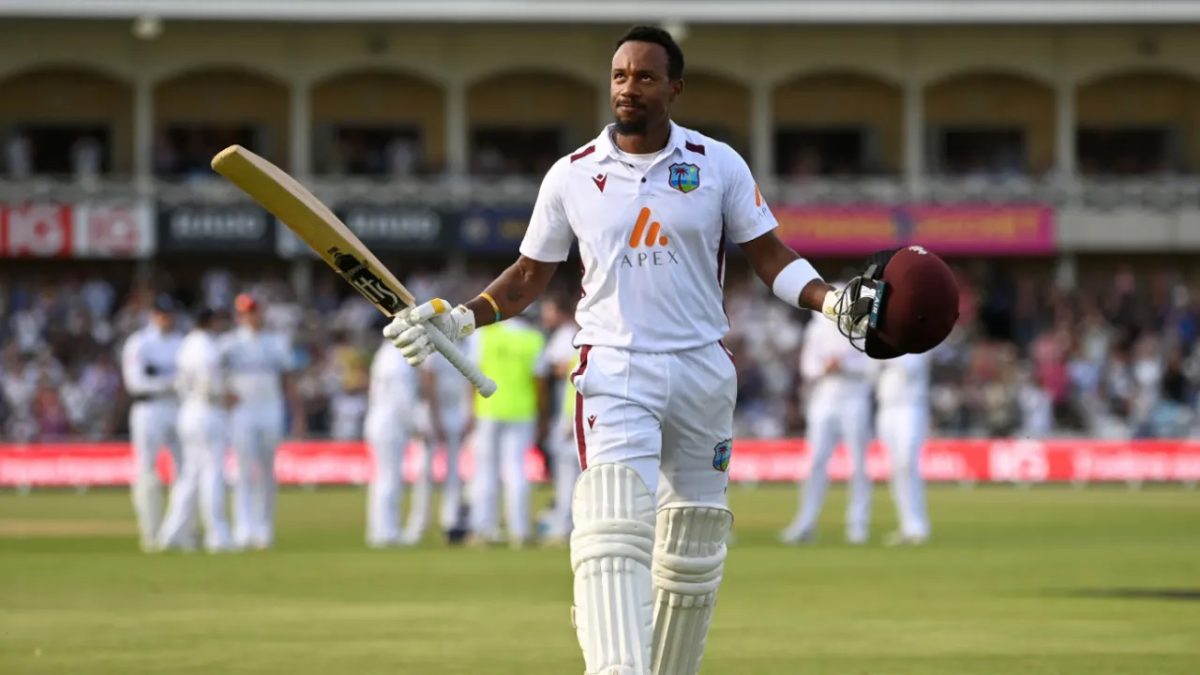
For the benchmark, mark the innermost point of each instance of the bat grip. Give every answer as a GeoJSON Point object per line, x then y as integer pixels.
{"type": "Point", "coordinates": [456, 358]}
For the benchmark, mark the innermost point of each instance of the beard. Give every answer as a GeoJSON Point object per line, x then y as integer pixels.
{"type": "Point", "coordinates": [632, 127]}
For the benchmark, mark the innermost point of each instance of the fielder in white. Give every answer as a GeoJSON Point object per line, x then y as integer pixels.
{"type": "Point", "coordinates": [902, 392]}
{"type": "Point", "coordinates": [257, 361]}
{"type": "Point", "coordinates": [391, 406]}
{"type": "Point", "coordinates": [839, 409]}
{"type": "Point", "coordinates": [203, 430]}
{"type": "Point", "coordinates": [148, 369]}
{"type": "Point", "coordinates": [651, 205]}
{"type": "Point", "coordinates": [442, 423]}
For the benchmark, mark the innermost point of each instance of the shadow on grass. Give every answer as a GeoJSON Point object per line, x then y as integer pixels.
{"type": "Point", "coordinates": [1184, 594]}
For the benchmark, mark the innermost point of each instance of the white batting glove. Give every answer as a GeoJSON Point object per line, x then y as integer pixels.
{"type": "Point", "coordinates": [408, 331]}
{"type": "Point", "coordinates": [849, 308]}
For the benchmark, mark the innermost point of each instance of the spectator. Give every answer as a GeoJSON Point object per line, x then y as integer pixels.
{"type": "Point", "coordinates": [18, 155]}
{"type": "Point", "coordinates": [1112, 360]}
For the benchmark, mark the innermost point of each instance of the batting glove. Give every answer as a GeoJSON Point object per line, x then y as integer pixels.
{"type": "Point", "coordinates": [409, 332]}
{"type": "Point", "coordinates": [850, 308]}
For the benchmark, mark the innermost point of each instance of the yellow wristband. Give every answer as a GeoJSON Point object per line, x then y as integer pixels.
{"type": "Point", "coordinates": [492, 301]}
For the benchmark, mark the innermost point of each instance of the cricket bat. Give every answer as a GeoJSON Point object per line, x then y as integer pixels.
{"type": "Point", "coordinates": [312, 221]}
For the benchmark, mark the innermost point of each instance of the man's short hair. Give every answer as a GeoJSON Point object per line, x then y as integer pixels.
{"type": "Point", "coordinates": [660, 37]}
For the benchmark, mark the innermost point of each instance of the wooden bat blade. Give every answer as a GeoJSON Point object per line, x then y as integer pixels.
{"type": "Point", "coordinates": [313, 222]}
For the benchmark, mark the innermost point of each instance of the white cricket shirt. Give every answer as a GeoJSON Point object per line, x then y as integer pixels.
{"type": "Point", "coordinates": [651, 239]}
{"type": "Point", "coordinates": [393, 388]}
{"type": "Point", "coordinates": [452, 391]}
{"type": "Point", "coordinates": [824, 344]}
{"type": "Point", "coordinates": [148, 362]}
{"type": "Point", "coordinates": [904, 380]}
{"type": "Point", "coordinates": [256, 361]}
{"type": "Point", "coordinates": [199, 379]}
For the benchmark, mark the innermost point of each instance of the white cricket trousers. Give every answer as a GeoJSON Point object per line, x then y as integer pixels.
{"type": "Point", "coordinates": [902, 430]}
{"type": "Point", "coordinates": [846, 419]}
{"type": "Point", "coordinates": [387, 441]}
{"type": "Point", "coordinates": [202, 432]}
{"type": "Point", "coordinates": [566, 472]}
{"type": "Point", "coordinates": [257, 428]}
{"type": "Point", "coordinates": [499, 449]}
{"type": "Point", "coordinates": [648, 560]}
{"type": "Point", "coordinates": [418, 514]}
{"type": "Point", "coordinates": [152, 427]}
{"type": "Point", "coordinates": [665, 415]}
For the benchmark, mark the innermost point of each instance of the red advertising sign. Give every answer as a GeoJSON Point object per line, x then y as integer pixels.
{"type": "Point", "coordinates": [955, 460]}
{"type": "Point", "coordinates": [117, 230]}
{"type": "Point", "coordinates": [36, 230]}
{"type": "Point", "coordinates": [945, 230]}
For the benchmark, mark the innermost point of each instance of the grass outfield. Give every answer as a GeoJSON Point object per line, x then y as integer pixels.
{"type": "Point", "coordinates": [1048, 580]}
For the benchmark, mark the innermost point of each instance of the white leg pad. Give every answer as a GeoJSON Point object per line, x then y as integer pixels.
{"type": "Point", "coordinates": [611, 549]}
{"type": "Point", "coordinates": [689, 559]}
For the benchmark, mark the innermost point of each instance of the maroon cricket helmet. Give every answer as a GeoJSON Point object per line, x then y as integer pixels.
{"type": "Point", "coordinates": [915, 305]}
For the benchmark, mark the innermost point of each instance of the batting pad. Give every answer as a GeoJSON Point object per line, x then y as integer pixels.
{"type": "Point", "coordinates": [611, 550]}
{"type": "Point", "coordinates": [689, 557]}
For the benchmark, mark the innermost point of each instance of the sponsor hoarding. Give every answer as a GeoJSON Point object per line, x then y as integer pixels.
{"type": "Point", "coordinates": [943, 460]}
{"type": "Point", "coordinates": [91, 229]}
{"type": "Point", "coordinates": [215, 228]}
{"type": "Point", "coordinates": [945, 230]}
{"type": "Point", "coordinates": [386, 228]}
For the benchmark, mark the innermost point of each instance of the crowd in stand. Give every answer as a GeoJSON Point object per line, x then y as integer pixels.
{"type": "Point", "coordinates": [1118, 359]}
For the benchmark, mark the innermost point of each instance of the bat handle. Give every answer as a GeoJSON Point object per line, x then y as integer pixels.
{"type": "Point", "coordinates": [454, 355]}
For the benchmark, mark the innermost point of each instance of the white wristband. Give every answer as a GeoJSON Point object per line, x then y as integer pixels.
{"type": "Point", "coordinates": [792, 279]}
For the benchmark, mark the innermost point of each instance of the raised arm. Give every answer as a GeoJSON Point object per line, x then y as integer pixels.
{"type": "Point", "coordinates": [547, 242]}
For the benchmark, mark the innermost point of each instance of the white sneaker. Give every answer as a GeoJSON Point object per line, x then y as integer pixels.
{"type": "Point", "coordinates": [218, 549]}
{"type": "Point", "coordinates": [793, 535]}
{"type": "Point", "coordinates": [895, 539]}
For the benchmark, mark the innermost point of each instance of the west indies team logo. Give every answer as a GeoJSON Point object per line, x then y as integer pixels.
{"type": "Point", "coordinates": [683, 177]}
{"type": "Point", "coordinates": [722, 454]}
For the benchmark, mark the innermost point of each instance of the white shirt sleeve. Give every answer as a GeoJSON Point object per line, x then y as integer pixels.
{"type": "Point", "coordinates": [549, 236]}
{"type": "Point", "coordinates": [744, 209]}
{"type": "Point", "coordinates": [133, 370]}
{"type": "Point", "coordinates": [812, 360]}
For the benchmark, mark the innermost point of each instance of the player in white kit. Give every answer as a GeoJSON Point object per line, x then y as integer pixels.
{"type": "Point", "coordinates": [839, 410]}
{"type": "Point", "coordinates": [257, 361]}
{"type": "Point", "coordinates": [902, 424]}
{"type": "Point", "coordinates": [148, 369]}
{"type": "Point", "coordinates": [652, 205]}
{"type": "Point", "coordinates": [387, 427]}
{"type": "Point", "coordinates": [442, 423]}
{"type": "Point", "coordinates": [203, 425]}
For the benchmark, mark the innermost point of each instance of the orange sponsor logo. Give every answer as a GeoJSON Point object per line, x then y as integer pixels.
{"type": "Point", "coordinates": [757, 196]}
{"type": "Point", "coordinates": [653, 235]}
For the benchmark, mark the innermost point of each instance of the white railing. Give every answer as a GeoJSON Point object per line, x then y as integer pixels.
{"type": "Point", "coordinates": [1109, 193]}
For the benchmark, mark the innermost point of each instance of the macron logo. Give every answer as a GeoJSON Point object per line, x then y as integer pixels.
{"type": "Point", "coordinates": [600, 179]}
{"type": "Point", "coordinates": [591, 421]}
